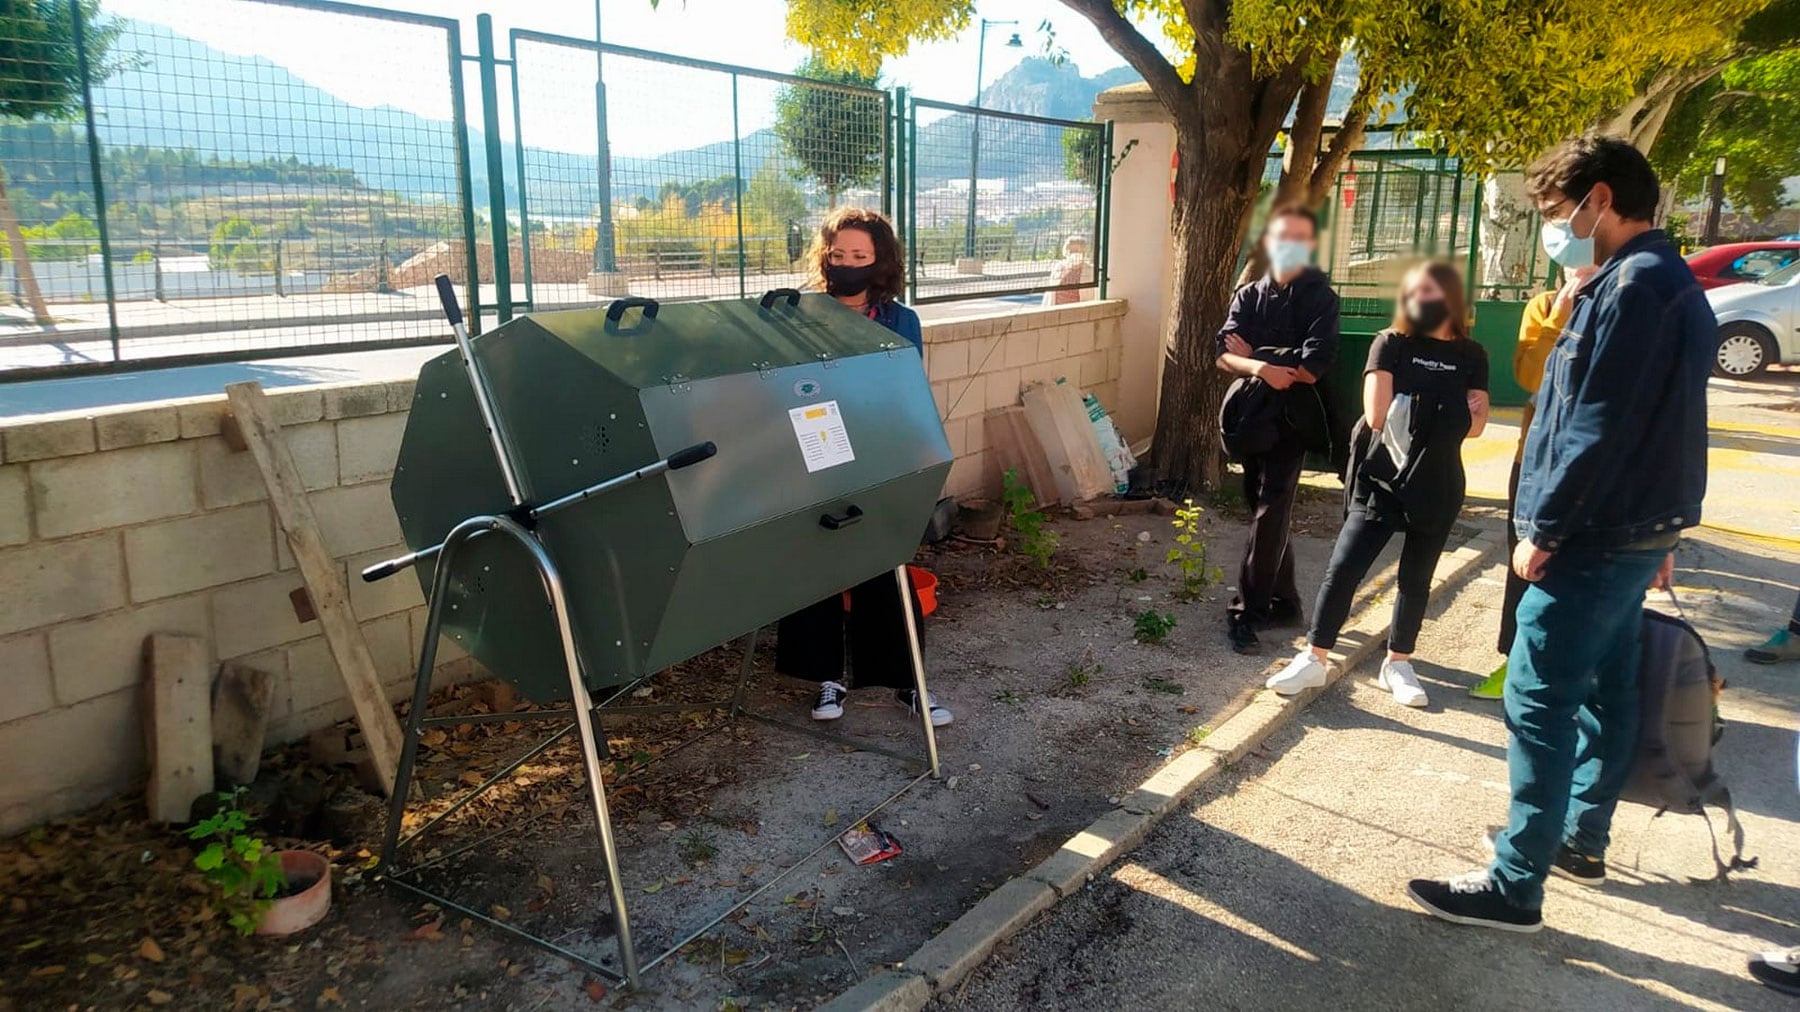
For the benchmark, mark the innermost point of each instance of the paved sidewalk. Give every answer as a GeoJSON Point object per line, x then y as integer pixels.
{"type": "Point", "coordinates": [1283, 886]}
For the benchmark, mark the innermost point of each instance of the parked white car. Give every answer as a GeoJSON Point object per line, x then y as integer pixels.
{"type": "Point", "coordinates": [1759, 323]}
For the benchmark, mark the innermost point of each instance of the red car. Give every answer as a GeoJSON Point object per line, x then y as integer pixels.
{"type": "Point", "coordinates": [1737, 262]}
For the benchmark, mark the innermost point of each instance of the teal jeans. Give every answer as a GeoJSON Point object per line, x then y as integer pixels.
{"type": "Point", "coordinates": [1572, 710]}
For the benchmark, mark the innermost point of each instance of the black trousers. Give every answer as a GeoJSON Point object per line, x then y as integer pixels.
{"type": "Point", "coordinates": [1358, 545]}
{"type": "Point", "coordinates": [1266, 575]}
{"type": "Point", "coordinates": [1515, 586]}
{"type": "Point", "coordinates": [862, 646]}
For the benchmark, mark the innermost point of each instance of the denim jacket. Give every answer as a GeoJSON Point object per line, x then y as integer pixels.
{"type": "Point", "coordinates": [1617, 452]}
{"type": "Point", "coordinates": [900, 319]}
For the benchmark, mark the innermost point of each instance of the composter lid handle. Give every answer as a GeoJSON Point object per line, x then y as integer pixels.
{"type": "Point", "coordinates": [447, 296]}
{"type": "Point", "coordinates": [792, 295]}
{"type": "Point", "coordinates": [616, 311]}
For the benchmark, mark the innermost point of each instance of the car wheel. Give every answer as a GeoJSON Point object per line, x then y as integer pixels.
{"type": "Point", "coordinates": [1744, 350]}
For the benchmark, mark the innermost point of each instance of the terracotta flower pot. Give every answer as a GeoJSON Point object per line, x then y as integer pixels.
{"type": "Point", "coordinates": [309, 887]}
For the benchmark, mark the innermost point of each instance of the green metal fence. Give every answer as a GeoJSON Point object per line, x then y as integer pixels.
{"type": "Point", "coordinates": [169, 200]}
{"type": "Point", "coordinates": [768, 156]}
{"type": "Point", "coordinates": [1001, 203]}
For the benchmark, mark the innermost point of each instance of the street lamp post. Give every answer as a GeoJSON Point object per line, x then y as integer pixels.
{"type": "Point", "coordinates": [1716, 203]}
{"type": "Point", "coordinates": [975, 137]}
{"type": "Point", "coordinates": [606, 279]}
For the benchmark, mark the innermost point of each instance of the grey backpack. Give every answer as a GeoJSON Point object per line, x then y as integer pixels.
{"type": "Point", "coordinates": [1678, 727]}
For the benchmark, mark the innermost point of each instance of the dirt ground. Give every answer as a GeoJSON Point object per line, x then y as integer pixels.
{"type": "Point", "coordinates": [1058, 709]}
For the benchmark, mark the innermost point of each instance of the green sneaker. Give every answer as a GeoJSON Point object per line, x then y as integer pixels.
{"type": "Point", "coordinates": [1783, 646]}
{"type": "Point", "coordinates": [1491, 687]}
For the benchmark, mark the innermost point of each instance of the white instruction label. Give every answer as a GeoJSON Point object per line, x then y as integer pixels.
{"type": "Point", "coordinates": [820, 431]}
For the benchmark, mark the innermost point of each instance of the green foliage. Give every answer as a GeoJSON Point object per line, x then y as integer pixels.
{"type": "Point", "coordinates": [244, 872]}
{"type": "Point", "coordinates": [1198, 734]}
{"type": "Point", "coordinates": [1083, 672]}
{"type": "Point", "coordinates": [1188, 554]}
{"type": "Point", "coordinates": [1152, 627]}
{"type": "Point", "coordinates": [1009, 697]}
{"type": "Point", "coordinates": [698, 846]}
{"type": "Point", "coordinates": [836, 137]}
{"type": "Point", "coordinates": [40, 70]}
{"type": "Point", "coordinates": [1036, 542]}
{"type": "Point", "coordinates": [1157, 683]}
{"type": "Point", "coordinates": [237, 244]}
{"type": "Point", "coordinates": [1750, 116]}
{"type": "Point", "coordinates": [860, 34]}
{"type": "Point", "coordinates": [1082, 151]}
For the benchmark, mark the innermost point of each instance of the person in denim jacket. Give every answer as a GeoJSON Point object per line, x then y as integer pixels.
{"type": "Point", "coordinates": [1614, 469]}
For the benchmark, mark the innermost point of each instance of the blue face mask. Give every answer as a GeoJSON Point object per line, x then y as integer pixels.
{"type": "Point", "coordinates": [1564, 246]}
{"type": "Point", "coordinates": [1287, 256]}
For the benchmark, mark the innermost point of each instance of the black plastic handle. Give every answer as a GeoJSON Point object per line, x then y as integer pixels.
{"type": "Point", "coordinates": [381, 570]}
{"type": "Point", "coordinates": [852, 515]}
{"type": "Point", "coordinates": [692, 455]}
{"type": "Point", "coordinates": [447, 296]}
{"type": "Point", "coordinates": [616, 311]}
{"type": "Point", "coordinates": [792, 295]}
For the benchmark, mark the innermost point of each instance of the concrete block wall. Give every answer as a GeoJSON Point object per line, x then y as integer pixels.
{"type": "Point", "coordinates": [122, 523]}
{"type": "Point", "coordinates": [980, 363]}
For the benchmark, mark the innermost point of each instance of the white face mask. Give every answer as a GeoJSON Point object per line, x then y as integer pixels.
{"type": "Point", "coordinates": [1287, 255]}
{"type": "Point", "coordinates": [1564, 246]}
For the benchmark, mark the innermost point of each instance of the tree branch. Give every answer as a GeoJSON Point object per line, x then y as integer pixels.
{"type": "Point", "coordinates": [1304, 137]}
{"type": "Point", "coordinates": [1127, 41]}
{"type": "Point", "coordinates": [1348, 138]}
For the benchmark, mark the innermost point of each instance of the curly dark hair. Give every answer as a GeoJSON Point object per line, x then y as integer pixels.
{"type": "Point", "coordinates": [1573, 167]}
{"type": "Point", "coordinates": [890, 258]}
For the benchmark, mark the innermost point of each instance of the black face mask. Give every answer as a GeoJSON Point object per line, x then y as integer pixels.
{"type": "Point", "coordinates": [845, 280]}
{"type": "Point", "coordinates": [1427, 316]}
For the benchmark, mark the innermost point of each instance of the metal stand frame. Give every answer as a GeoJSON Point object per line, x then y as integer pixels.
{"type": "Point", "coordinates": [519, 525]}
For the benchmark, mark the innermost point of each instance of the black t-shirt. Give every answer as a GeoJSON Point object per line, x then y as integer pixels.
{"type": "Point", "coordinates": [1439, 375]}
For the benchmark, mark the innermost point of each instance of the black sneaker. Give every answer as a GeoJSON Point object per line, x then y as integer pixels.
{"type": "Point", "coordinates": [1243, 638]}
{"type": "Point", "coordinates": [1779, 970]}
{"type": "Point", "coordinates": [1472, 899]}
{"type": "Point", "coordinates": [1578, 867]}
{"type": "Point", "coordinates": [1567, 863]}
{"type": "Point", "coordinates": [830, 705]}
{"type": "Point", "coordinates": [1283, 614]}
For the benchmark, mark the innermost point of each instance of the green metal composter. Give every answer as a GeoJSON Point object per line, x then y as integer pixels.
{"type": "Point", "coordinates": [594, 495]}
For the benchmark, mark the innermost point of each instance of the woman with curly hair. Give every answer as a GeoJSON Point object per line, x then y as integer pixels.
{"type": "Point", "coordinates": [858, 638]}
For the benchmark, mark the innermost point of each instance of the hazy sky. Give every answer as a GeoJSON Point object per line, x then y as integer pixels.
{"type": "Point", "coordinates": [383, 66]}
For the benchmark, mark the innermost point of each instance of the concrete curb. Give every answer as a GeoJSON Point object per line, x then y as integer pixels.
{"type": "Point", "coordinates": [953, 953]}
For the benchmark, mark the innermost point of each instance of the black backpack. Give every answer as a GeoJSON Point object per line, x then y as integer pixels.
{"type": "Point", "coordinates": [1679, 724]}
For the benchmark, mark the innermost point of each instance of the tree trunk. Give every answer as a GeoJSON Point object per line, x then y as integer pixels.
{"type": "Point", "coordinates": [21, 258]}
{"type": "Point", "coordinates": [1506, 241]}
{"type": "Point", "coordinates": [1213, 200]}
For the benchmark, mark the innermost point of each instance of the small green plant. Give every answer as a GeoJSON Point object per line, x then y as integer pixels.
{"type": "Point", "coordinates": [1138, 575]}
{"type": "Point", "coordinates": [1036, 542]}
{"type": "Point", "coordinates": [1188, 554]}
{"type": "Point", "coordinates": [698, 847]}
{"type": "Point", "coordinates": [1152, 626]}
{"type": "Point", "coordinates": [245, 873]}
{"type": "Point", "coordinates": [1083, 672]}
{"type": "Point", "coordinates": [1157, 683]}
{"type": "Point", "coordinates": [1199, 734]}
{"type": "Point", "coordinates": [1009, 697]}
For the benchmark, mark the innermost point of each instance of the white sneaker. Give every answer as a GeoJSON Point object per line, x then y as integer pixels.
{"type": "Point", "coordinates": [831, 701]}
{"type": "Point", "coordinates": [1399, 678]}
{"type": "Point", "coordinates": [1304, 672]}
{"type": "Point", "coordinates": [939, 714]}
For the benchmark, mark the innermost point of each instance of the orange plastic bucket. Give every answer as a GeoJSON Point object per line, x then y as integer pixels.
{"type": "Point", "coordinates": [924, 586]}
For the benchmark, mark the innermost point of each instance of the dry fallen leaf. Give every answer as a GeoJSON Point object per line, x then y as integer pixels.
{"type": "Point", "coordinates": [49, 971]}
{"type": "Point", "coordinates": [330, 996]}
{"type": "Point", "coordinates": [501, 913]}
{"type": "Point", "coordinates": [430, 931]}
{"type": "Point", "coordinates": [595, 990]}
{"type": "Point", "coordinates": [159, 997]}
{"type": "Point", "coordinates": [148, 949]}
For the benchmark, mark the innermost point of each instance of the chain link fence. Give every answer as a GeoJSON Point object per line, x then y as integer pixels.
{"type": "Point", "coordinates": [168, 199]}
{"type": "Point", "coordinates": [1003, 204]}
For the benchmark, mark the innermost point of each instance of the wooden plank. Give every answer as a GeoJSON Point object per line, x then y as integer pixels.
{"type": "Point", "coordinates": [1018, 450]}
{"type": "Point", "coordinates": [323, 577]}
{"type": "Point", "coordinates": [240, 716]}
{"type": "Point", "coordinates": [177, 724]}
{"type": "Point", "coordinates": [1060, 422]}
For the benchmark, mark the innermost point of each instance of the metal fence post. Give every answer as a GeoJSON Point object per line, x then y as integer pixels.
{"type": "Point", "coordinates": [381, 268]}
{"type": "Point", "coordinates": [465, 176]}
{"type": "Point", "coordinates": [280, 291]}
{"type": "Point", "coordinates": [737, 181]}
{"type": "Point", "coordinates": [898, 178]}
{"type": "Point", "coordinates": [1103, 212]}
{"type": "Point", "coordinates": [496, 167]}
{"type": "Point", "coordinates": [1475, 232]}
{"type": "Point", "coordinates": [156, 274]}
{"type": "Point", "coordinates": [512, 47]}
{"type": "Point", "coordinates": [93, 146]}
